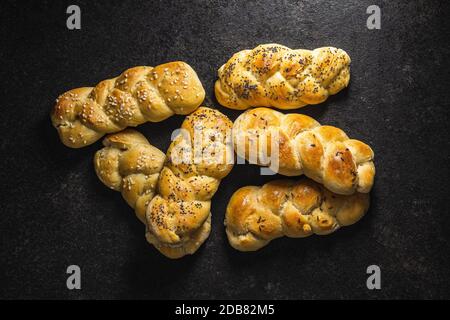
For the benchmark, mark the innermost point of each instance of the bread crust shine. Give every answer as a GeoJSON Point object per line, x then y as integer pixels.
{"type": "Point", "coordinates": [179, 216]}
{"type": "Point", "coordinates": [171, 197]}
{"type": "Point", "coordinates": [131, 165]}
{"type": "Point", "coordinates": [140, 94]}
{"type": "Point", "coordinates": [273, 75]}
{"type": "Point", "coordinates": [298, 144]}
{"type": "Point", "coordinates": [257, 215]}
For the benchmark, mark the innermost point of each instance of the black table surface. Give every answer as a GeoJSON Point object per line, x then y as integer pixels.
{"type": "Point", "coordinates": [55, 212]}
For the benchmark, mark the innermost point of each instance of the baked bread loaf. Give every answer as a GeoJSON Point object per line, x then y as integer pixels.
{"type": "Point", "coordinates": [274, 75]}
{"type": "Point", "coordinates": [257, 215]}
{"type": "Point", "coordinates": [295, 144]}
{"type": "Point", "coordinates": [140, 94]}
{"type": "Point", "coordinates": [130, 164]}
{"type": "Point", "coordinates": [179, 216]}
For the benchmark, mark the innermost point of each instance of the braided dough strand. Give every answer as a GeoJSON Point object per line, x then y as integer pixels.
{"type": "Point", "coordinates": [179, 217]}
{"type": "Point", "coordinates": [140, 94]}
{"type": "Point", "coordinates": [257, 215]}
{"type": "Point", "coordinates": [274, 75]}
{"type": "Point", "coordinates": [131, 165]}
{"type": "Point", "coordinates": [295, 144]}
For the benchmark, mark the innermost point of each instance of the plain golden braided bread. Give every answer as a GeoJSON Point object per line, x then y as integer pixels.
{"type": "Point", "coordinates": [179, 217]}
{"type": "Point", "coordinates": [130, 164]}
{"type": "Point", "coordinates": [140, 94]}
{"type": "Point", "coordinates": [257, 215]}
{"type": "Point", "coordinates": [273, 75]}
{"type": "Point", "coordinates": [295, 144]}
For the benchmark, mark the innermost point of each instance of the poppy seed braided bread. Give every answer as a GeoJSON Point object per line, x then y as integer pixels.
{"type": "Point", "coordinates": [257, 215]}
{"type": "Point", "coordinates": [273, 75]}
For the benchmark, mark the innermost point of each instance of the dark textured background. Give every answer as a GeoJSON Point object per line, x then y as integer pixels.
{"type": "Point", "coordinates": [55, 212]}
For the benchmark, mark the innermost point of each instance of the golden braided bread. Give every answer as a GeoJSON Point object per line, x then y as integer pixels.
{"type": "Point", "coordinates": [140, 94]}
{"type": "Point", "coordinates": [179, 217]}
{"type": "Point", "coordinates": [257, 215]}
{"type": "Point", "coordinates": [130, 164]}
{"type": "Point", "coordinates": [274, 75]}
{"type": "Point", "coordinates": [295, 144]}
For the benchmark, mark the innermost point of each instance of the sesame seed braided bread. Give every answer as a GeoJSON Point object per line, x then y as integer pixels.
{"type": "Point", "coordinates": [257, 215]}
{"type": "Point", "coordinates": [295, 144]}
{"type": "Point", "coordinates": [274, 75]}
{"type": "Point", "coordinates": [140, 94]}
{"type": "Point", "coordinates": [130, 164]}
{"type": "Point", "coordinates": [200, 156]}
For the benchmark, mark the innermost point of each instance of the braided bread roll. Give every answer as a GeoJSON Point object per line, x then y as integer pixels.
{"type": "Point", "coordinates": [257, 215]}
{"type": "Point", "coordinates": [179, 217]}
{"type": "Point", "coordinates": [274, 75]}
{"type": "Point", "coordinates": [140, 94]}
{"type": "Point", "coordinates": [323, 153]}
{"type": "Point", "coordinates": [130, 164]}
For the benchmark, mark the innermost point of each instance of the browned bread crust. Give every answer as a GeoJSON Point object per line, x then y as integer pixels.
{"type": "Point", "coordinates": [257, 215]}
{"type": "Point", "coordinates": [140, 94]}
{"type": "Point", "coordinates": [171, 195]}
{"type": "Point", "coordinates": [273, 75]}
{"type": "Point", "coordinates": [178, 217]}
{"type": "Point", "coordinates": [323, 153]}
{"type": "Point", "coordinates": [131, 165]}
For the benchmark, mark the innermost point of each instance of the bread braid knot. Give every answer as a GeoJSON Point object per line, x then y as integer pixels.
{"type": "Point", "coordinates": [257, 215]}
{"type": "Point", "coordinates": [140, 94]}
{"type": "Point", "coordinates": [274, 75]}
{"type": "Point", "coordinates": [179, 217]}
{"type": "Point", "coordinates": [295, 144]}
{"type": "Point", "coordinates": [131, 165]}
